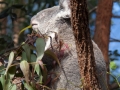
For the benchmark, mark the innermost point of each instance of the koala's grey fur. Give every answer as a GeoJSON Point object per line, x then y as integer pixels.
{"type": "Point", "coordinates": [57, 19]}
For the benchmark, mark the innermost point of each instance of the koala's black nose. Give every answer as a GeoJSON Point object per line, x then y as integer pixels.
{"type": "Point", "coordinates": [34, 22]}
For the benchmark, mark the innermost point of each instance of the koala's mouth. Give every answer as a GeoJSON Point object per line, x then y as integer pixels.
{"type": "Point", "coordinates": [36, 28]}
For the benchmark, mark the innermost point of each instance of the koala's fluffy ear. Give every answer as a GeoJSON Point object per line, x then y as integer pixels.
{"type": "Point", "coordinates": [65, 11]}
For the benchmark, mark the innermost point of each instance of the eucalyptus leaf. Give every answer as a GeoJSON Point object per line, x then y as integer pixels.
{"type": "Point", "coordinates": [24, 56]}
{"type": "Point", "coordinates": [33, 58]}
{"type": "Point", "coordinates": [28, 87]}
{"type": "Point", "coordinates": [2, 69]}
{"type": "Point", "coordinates": [10, 60]}
{"type": "Point", "coordinates": [27, 50]}
{"type": "Point", "coordinates": [40, 48]}
{"type": "Point", "coordinates": [39, 73]}
{"type": "Point", "coordinates": [2, 80]}
{"type": "Point", "coordinates": [44, 71]}
{"type": "Point", "coordinates": [12, 71]}
{"type": "Point", "coordinates": [37, 69]}
{"type": "Point", "coordinates": [7, 84]}
{"type": "Point", "coordinates": [113, 65]}
{"type": "Point", "coordinates": [14, 87]}
{"type": "Point", "coordinates": [25, 69]}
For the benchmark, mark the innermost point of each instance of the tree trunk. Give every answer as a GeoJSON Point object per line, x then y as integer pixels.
{"type": "Point", "coordinates": [86, 60]}
{"type": "Point", "coordinates": [102, 30]}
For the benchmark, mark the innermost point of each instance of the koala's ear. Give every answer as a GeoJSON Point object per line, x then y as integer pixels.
{"type": "Point", "coordinates": [65, 11]}
{"type": "Point", "coordinates": [64, 4]}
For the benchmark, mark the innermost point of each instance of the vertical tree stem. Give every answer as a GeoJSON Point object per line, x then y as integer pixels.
{"type": "Point", "coordinates": [86, 60]}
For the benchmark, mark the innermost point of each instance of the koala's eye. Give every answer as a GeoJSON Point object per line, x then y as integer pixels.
{"type": "Point", "coordinates": [66, 20]}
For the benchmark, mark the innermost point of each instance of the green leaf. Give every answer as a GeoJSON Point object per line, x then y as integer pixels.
{"type": "Point", "coordinates": [2, 79]}
{"type": "Point", "coordinates": [32, 47]}
{"type": "Point", "coordinates": [113, 65]}
{"type": "Point", "coordinates": [38, 71]}
{"type": "Point", "coordinates": [40, 48]}
{"type": "Point", "coordinates": [27, 50]}
{"type": "Point", "coordinates": [33, 58]}
{"type": "Point", "coordinates": [1, 88]}
{"type": "Point", "coordinates": [14, 87]}
{"type": "Point", "coordinates": [40, 79]}
{"type": "Point", "coordinates": [7, 84]}
{"type": "Point", "coordinates": [24, 56]}
{"type": "Point", "coordinates": [27, 86]}
{"type": "Point", "coordinates": [44, 71]}
{"type": "Point", "coordinates": [2, 69]}
{"type": "Point", "coordinates": [52, 54]}
{"type": "Point", "coordinates": [12, 71]}
{"type": "Point", "coordinates": [10, 60]}
{"type": "Point", "coordinates": [25, 69]}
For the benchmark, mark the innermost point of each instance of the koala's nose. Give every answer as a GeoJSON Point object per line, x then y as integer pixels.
{"type": "Point", "coordinates": [33, 23]}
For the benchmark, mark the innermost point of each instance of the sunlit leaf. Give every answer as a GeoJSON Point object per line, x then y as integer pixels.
{"type": "Point", "coordinates": [40, 48]}
{"type": "Point", "coordinates": [10, 60]}
{"type": "Point", "coordinates": [113, 65]}
{"type": "Point", "coordinates": [25, 69]}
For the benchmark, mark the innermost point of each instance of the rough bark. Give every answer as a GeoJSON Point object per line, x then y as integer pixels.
{"type": "Point", "coordinates": [86, 60]}
{"type": "Point", "coordinates": [102, 30]}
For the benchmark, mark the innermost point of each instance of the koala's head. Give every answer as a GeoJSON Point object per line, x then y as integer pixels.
{"type": "Point", "coordinates": [47, 19]}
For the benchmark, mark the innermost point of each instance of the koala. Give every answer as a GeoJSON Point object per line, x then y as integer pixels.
{"type": "Point", "coordinates": [57, 19]}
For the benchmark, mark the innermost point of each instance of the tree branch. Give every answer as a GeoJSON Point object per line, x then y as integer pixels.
{"type": "Point", "coordinates": [114, 86]}
{"type": "Point", "coordinates": [115, 16]}
{"type": "Point", "coordinates": [114, 40]}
